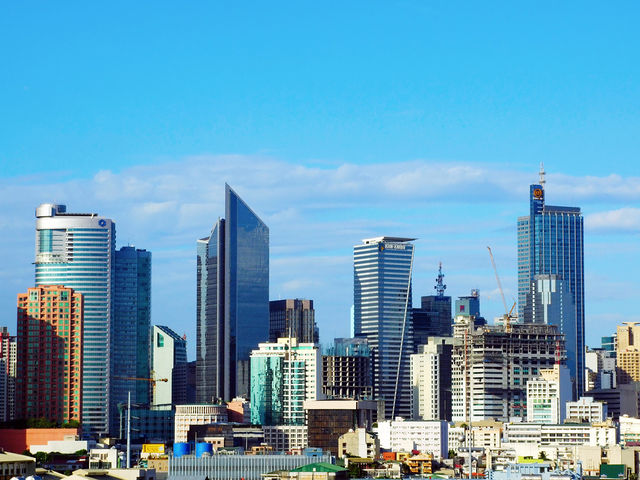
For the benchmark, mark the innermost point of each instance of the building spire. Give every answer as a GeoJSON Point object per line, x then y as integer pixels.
{"type": "Point", "coordinates": [542, 174]}
{"type": "Point", "coordinates": [440, 286]}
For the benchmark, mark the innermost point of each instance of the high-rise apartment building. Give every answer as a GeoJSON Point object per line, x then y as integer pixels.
{"type": "Point", "coordinates": [600, 369]}
{"type": "Point", "coordinates": [550, 242]}
{"type": "Point", "coordinates": [433, 318]}
{"type": "Point", "coordinates": [293, 318]}
{"type": "Point", "coordinates": [431, 380]}
{"type": "Point", "coordinates": [346, 369]}
{"type": "Point", "coordinates": [49, 380]}
{"type": "Point", "coordinates": [232, 301]}
{"type": "Point", "coordinates": [8, 372]}
{"type": "Point", "coordinates": [548, 394]}
{"type": "Point", "coordinates": [382, 315]}
{"type": "Point", "coordinates": [628, 352]}
{"type": "Point", "coordinates": [169, 360]}
{"type": "Point", "coordinates": [77, 250]}
{"type": "Point", "coordinates": [131, 323]}
{"type": "Point", "coordinates": [491, 366]}
{"type": "Point", "coordinates": [283, 375]}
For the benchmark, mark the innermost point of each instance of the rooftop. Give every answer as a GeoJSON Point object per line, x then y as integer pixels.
{"type": "Point", "coordinates": [387, 239]}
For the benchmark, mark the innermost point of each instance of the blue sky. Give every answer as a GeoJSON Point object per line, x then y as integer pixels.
{"type": "Point", "coordinates": [334, 122]}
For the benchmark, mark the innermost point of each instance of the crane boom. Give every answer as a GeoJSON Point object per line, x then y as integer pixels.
{"type": "Point", "coordinates": [495, 270]}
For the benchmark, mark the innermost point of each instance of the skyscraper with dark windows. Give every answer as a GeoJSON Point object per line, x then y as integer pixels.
{"type": "Point", "coordinates": [77, 250]}
{"type": "Point", "coordinates": [131, 323]}
{"type": "Point", "coordinates": [382, 315]}
{"type": "Point", "coordinates": [294, 318]}
{"type": "Point", "coordinates": [232, 301]}
{"type": "Point", "coordinates": [433, 318]}
{"type": "Point", "coordinates": [550, 242]}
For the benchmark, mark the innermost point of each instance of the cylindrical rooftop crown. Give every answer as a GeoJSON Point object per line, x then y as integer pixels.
{"type": "Point", "coordinates": [49, 210]}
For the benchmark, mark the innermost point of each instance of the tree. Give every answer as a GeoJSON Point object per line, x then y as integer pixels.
{"type": "Point", "coordinates": [452, 453]}
{"type": "Point", "coordinates": [543, 455]}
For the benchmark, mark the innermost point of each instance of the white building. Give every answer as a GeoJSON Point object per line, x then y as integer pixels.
{"type": "Point", "coordinates": [548, 394]}
{"type": "Point", "coordinates": [602, 435]}
{"type": "Point", "coordinates": [77, 251]}
{"type": "Point", "coordinates": [629, 429]}
{"type": "Point", "coordinates": [358, 443]}
{"type": "Point", "coordinates": [426, 436]}
{"type": "Point", "coordinates": [70, 444]}
{"type": "Point", "coordinates": [427, 367]}
{"type": "Point", "coordinates": [587, 410]}
{"type": "Point", "coordinates": [197, 414]}
{"type": "Point", "coordinates": [600, 369]}
{"type": "Point", "coordinates": [169, 360]}
{"type": "Point", "coordinates": [284, 438]}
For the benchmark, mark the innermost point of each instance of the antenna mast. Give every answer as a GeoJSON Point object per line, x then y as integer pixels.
{"type": "Point", "coordinates": [440, 286]}
{"type": "Point", "coordinates": [542, 174]}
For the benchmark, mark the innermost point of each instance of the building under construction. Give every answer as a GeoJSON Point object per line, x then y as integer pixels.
{"type": "Point", "coordinates": [498, 361]}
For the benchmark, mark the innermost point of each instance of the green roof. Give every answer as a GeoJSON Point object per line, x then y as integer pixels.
{"type": "Point", "coordinates": [613, 471]}
{"type": "Point", "coordinates": [319, 467]}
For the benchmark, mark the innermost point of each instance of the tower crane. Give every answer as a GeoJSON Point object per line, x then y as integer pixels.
{"type": "Point", "coordinates": [508, 315]}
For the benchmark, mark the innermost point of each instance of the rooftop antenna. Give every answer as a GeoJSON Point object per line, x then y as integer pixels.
{"type": "Point", "coordinates": [542, 174]}
{"type": "Point", "coordinates": [440, 286]}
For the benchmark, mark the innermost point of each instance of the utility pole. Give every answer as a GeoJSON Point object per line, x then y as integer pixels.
{"type": "Point", "coordinates": [129, 431]}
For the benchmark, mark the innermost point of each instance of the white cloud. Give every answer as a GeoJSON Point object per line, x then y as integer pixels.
{"type": "Point", "coordinates": [626, 219]}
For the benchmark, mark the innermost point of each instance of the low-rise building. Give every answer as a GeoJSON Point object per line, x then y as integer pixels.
{"type": "Point", "coordinates": [14, 465]}
{"type": "Point", "coordinates": [629, 430]}
{"type": "Point", "coordinates": [602, 435]}
{"type": "Point", "coordinates": [358, 443]}
{"type": "Point", "coordinates": [427, 436]}
{"type": "Point", "coordinates": [284, 438]}
{"type": "Point", "coordinates": [197, 414]}
{"type": "Point", "coordinates": [69, 444]}
{"type": "Point", "coordinates": [587, 410]}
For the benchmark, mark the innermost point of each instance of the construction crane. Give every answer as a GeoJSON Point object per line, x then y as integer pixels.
{"type": "Point", "coordinates": [508, 314]}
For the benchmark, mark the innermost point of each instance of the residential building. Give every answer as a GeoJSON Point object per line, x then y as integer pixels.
{"type": "Point", "coordinates": [293, 318]}
{"type": "Point", "coordinates": [346, 370]}
{"type": "Point", "coordinates": [433, 318]}
{"type": "Point", "coordinates": [551, 242]}
{"type": "Point", "coordinates": [130, 334]}
{"type": "Point", "coordinates": [284, 438]}
{"type": "Point", "coordinates": [587, 410]}
{"type": "Point", "coordinates": [77, 250]}
{"type": "Point", "coordinates": [232, 300]}
{"type": "Point", "coordinates": [358, 443]}
{"type": "Point", "coordinates": [382, 315]}
{"type": "Point", "coordinates": [498, 361]}
{"type": "Point", "coordinates": [628, 352]}
{"type": "Point", "coordinates": [400, 435]}
{"type": "Point", "coordinates": [328, 419]}
{"type": "Point", "coordinates": [169, 361]}
{"type": "Point", "coordinates": [431, 380]}
{"type": "Point", "coordinates": [548, 394]}
{"type": "Point", "coordinates": [283, 376]}
{"type": "Point", "coordinates": [197, 414]}
{"type": "Point", "coordinates": [49, 354]}
{"type": "Point", "coordinates": [629, 430]}
{"type": "Point", "coordinates": [8, 372]}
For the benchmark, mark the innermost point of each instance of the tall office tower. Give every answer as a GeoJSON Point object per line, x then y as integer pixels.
{"type": "Point", "coordinates": [77, 250]}
{"type": "Point", "coordinates": [608, 343]}
{"type": "Point", "coordinates": [293, 318]}
{"type": "Point", "coordinates": [433, 319]}
{"type": "Point", "coordinates": [382, 314]}
{"type": "Point", "coordinates": [628, 352]}
{"type": "Point", "coordinates": [232, 301]}
{"type": "Point", "coordinates": [283, 376]}
{"type": "Point", "coordinates": [548, 394]}
{"type": "Point", "coordinates": [346, 369]}
{"type": "Point", "coordinates": [550, 242]}
{"type": "Point", "coordinates": [130, 332]}
{"type": "Point", "coordinates": [8, 372]}
{"type": "Point", "coordinates": [49, 380]}
{"type": "Point", "coordinates": [431, 380]}
{"type": "Point", "coordinates": [169, 353]}
{"type": "Point", "coordinates": [498, 361]}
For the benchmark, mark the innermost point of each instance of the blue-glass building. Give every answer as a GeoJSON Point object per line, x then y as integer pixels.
{"type": "Point", "coordinates": [550, 242]}
{"type": "Point", "coordinates": [77, 250]}
{"type": "Point", "coordinates": [382, 314]}
{"type": "Point", "coordinates": [232, 301]}
{"type": "Point", "coordinates": [130, 332]}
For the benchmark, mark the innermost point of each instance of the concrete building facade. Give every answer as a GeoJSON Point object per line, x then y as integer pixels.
{"type": "Point", "coordinates": [547, 395]}
{"type": "Point", "coordinates": [169, 361]}
{"type": "Point", "coordinates": [431, 380]}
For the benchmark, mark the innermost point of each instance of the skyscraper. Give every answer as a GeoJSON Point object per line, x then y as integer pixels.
{"type": "Point", "coordinates": [77, 250]}
{"type": "Point", "coordinates": [170, 362]}
{"type": "Point", "coordinates": [8, 372]}
{"type": "Point", "coordinates": [293, 318]}
{"type": "Point", "coordinates": [550, 242]}
{"type": "Point", "coordinates": [382, 315]}
{"type": "Point", "coordinates": [433, 318]}
{"type": "Point", "coordinates": [49, 380]}
{"type": "Point", "coordinates": [131, 323]}
{"type": "Point", "coordinates": [232, 300]}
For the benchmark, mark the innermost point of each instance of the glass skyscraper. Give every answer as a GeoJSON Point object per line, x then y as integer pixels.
{"type": "Point", "coordinates": [232, 301]}
{"type": "Point", "coordinates": [131, 323]}
{"type": "Point", "coordinates": [382, 314]}
{"type": "Point", "coordinates": [77, 250]}
{"type": "Point", "coordinates": [550, 242]}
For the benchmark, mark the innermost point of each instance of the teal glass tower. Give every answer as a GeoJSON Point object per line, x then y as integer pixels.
{"type": "Point", "coordinates": [232, 301]}
{"type": "Point", "coordinates": [551, 242]}
{"type": "Point", "coordinates": [77, 250]}
{"type": "Point", "coordinates": [382, 314]}
{"type": "Point", "coordinates": [131, 323]}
